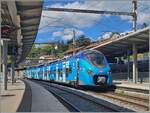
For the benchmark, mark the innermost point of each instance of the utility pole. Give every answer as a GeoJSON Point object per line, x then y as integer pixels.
{"type": "Point", "coordinates": [74, 43]}
{"type": "Point", "coordinates": [134, 46]}
{"type": "Point", "coordinates": [134, 3]}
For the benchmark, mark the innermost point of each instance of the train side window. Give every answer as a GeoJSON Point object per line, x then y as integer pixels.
{"type": "Point", "coordinates": [58, 72]}
{"type": "Point", "coordinates": [54, 71]}
{"type": "Point", "coordinates": [48, 71]}
{"type": "Point", "coordinates": [61, 72]}
{"type": "Point", "coordinates": [70, 69]}
{"type": "Point", "coordinates": [67, 72]}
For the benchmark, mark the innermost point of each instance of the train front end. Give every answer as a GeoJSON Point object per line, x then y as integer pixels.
{"type": "Point", "coordinates": [98, 68]}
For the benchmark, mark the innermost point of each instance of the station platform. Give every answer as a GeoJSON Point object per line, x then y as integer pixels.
{"type": "Point", "coordinates": [128, 84]}
{"type": "Point", "coordinates": [12, 97]}
{"type": "Point", "coordinates": [27, 96]}
{"type": "Point", "coordinates": [132, 88]}
{"type": "Point", "coordinates": [42, 100]}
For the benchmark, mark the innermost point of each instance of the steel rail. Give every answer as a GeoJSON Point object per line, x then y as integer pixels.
{"type": "Point", "coordinates": [125, 100]}
{"type": "Point", "coordinates": [69, 105]}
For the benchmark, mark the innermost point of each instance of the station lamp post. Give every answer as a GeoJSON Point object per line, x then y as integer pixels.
{"type": "Point", "coordinates": [4, 51]}
{"type": "Point", "coordinates": [6, 30]}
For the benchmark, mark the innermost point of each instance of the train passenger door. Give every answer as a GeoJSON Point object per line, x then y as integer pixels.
{"type": "Point", "coordinates": [67, 69]}
{"type": "Point", "coordinates": [56, 72]}
{"type": "Point", "coordinates": [77, 72]}
{"type": "Point", "coordinates": [64, 71]}
{"type": "Point", "coordinates": [38, 73]}
{"type": "Point", "coordinates": [48, 72]}
{"type": "Point", "coordinates": [43, 73]}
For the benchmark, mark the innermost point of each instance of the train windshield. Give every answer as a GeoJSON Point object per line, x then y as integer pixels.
{"type": "Point", "coordinates": [96, 58]}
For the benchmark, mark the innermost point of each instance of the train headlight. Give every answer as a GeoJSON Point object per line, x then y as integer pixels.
{"type": "Point", "coordinates": [90, 72]}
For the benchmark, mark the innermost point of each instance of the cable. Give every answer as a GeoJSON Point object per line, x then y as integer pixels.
{"type": "Point", "coordinates": [58, 19]}
{"type": "Point", "coordinates": [51, 17]}
{"type": "Point", "coordinates": [110, 21]}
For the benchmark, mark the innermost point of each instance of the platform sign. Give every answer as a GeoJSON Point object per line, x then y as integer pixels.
{"type": "Point", "coordinates": [5, 31]}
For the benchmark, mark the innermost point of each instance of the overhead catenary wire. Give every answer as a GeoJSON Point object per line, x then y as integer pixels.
{"type": "Point", "coordinates": [74, 13]}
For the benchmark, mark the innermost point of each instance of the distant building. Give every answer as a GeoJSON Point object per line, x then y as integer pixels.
{"type": "Point", "coordinates": [46, 58]}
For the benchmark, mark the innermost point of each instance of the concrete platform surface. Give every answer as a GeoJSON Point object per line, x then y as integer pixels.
{"type": "Point", "coordinates": [144, 86]}
{"type": "Point", "coordinates": [44, 101]}
{"type": "Point", "coordinates": [10, 99]}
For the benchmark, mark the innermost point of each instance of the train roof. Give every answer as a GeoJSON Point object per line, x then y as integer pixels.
{"type": "Point", "coordinates": [79, 54]}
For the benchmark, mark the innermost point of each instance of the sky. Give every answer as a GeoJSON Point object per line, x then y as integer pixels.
{"type": "Point", "coordinates": [59, 26]}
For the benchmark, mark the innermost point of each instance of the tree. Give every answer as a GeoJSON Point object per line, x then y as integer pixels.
{"type": "Point", "coordinates": [47, 49]}
{"type": "Point", "coordinates": [83, 41]}
{"type": "Point", "coordinates": [62, 47]}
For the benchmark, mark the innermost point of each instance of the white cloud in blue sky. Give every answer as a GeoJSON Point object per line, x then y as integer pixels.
{"type": "Point", "coordinates": [56, 22]}
{"type": "Point", "coordinates": [67, 34]}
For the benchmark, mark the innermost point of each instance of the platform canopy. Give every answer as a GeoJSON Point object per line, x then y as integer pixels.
{"type": "Point", "coordinates": [30, 15]}
{"type": "Point", "coordinates": [119, 46]}
{"type": "Point", "coordinates": [19, 25]}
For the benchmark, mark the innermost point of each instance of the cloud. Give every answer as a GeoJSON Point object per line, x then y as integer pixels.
{"type": "Point", "coordinates": [144, 17]}
{"type": "Point", "coordinates": [70, 31]}
{"type": "Point", "coordinates": [105, 35]}
{"type": "Point", "coordinates": [67, 37]}
{"type": "Point", "coordinates": [60, 24]}
{"type": "Point", "coordinates": [52, 20]}
{"type": "Point", "coordinates": [57, 34]}
{"type": "Point", "coordinates": [67, 34]}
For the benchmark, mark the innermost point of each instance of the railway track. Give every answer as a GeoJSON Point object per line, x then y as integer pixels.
{"type": "Point", "coordinates": [80, 102]}
{"type": "Point", "coordinates": [140, 103]}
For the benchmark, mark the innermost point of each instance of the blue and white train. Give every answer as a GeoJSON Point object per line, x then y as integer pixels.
{"type": "Point", "coordinates": [88, 67]}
